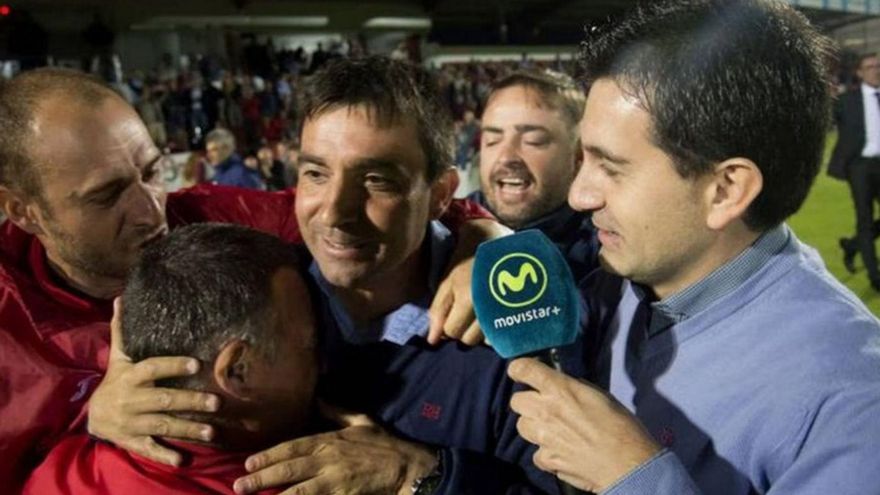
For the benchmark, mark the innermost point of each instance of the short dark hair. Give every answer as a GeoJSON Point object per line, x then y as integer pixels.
{"type": "Point", "coordinates": [557, 90]}
{"type": "Point", "coordinates": [19, 99]}
{"type": "Point", "coordinates": [391, 91]}
{"type": "Point", "coordinates": [722, 79]}
{"type": "Point", "coordinates": [202, 285]}
{"type": "Point", "coordinates": [863, 57]}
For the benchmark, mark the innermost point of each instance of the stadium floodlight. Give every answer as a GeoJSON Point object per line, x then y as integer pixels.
{"type": "Point", "coordinates": [310, 21]}
{"type": "Point", "coordinates": [398, 23]}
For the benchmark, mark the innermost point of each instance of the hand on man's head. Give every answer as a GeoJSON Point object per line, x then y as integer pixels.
{"type": "Point", "coordinates": [129, 410]}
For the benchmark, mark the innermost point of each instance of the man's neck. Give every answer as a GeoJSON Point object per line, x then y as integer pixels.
{"type": "Point", "coordinates": [723, 249]}
{"type": "Point", "coordinates": [97, 286]}
{"type": "Point", "coordinates": [407, 282]}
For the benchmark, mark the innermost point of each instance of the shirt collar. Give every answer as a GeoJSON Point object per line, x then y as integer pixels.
{"type": "Point", "coordinates": [204, 460]}
{"type": "Point", "coordinates": [724, 280]}
{"type": "Point", "coordinates": [408, 320]}
{"type": "Point", "coordinates": [869, 90]}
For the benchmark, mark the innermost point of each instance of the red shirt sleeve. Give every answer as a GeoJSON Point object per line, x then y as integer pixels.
{"type": "Point", "coordinates": [462, 210]}
{"type": "Point", "coordinates": [272, 212]}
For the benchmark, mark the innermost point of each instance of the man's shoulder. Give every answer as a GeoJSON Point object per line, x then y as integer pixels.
{"type": "Point", "coordinates": [794, 313]}
{"type": "Point", "coordinates": [15, 270]}
{"type": "Point", "coordinates": [270, 212]}
{"type": "Point", "coordinates": [809, 285]}
{"type": "Point", "coordinates": [850, 101]}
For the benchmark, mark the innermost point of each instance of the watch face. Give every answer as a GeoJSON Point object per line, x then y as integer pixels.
{"type": "Point", "coordinates": [428, 484]}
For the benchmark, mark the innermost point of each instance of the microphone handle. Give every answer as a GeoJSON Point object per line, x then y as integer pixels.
{"type": "Point", "coordinates": [551, 358]}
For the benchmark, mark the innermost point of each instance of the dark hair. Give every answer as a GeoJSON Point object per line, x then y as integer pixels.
{"type": "Point", "coordinates": [19, 99]}
{"type": "Point", "coordinates": [199, 287]}
{"type": "Point", "coordinates": [558, 91]}
{"type": "Point", "coordinates": [724, 79]}
{"type": "Point", "coordinates": [391, 91]}
{"type": "Point", "coordinates": [863, 57]}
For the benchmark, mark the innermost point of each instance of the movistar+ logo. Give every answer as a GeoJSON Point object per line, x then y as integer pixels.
{"type": "Point", "coordinates": [517, 280]}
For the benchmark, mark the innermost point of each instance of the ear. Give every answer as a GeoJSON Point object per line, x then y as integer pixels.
{"type": "Point", "coordinates": [232, 371]}
{"type": "Point", "coordinates": [24, 213]}
{"type": "Point", "coordinates": [442, 191]}
{"type": "Point", "coordinates": [732, 188]}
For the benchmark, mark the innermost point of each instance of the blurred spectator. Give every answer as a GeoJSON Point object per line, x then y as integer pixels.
{"type": "Point", "coordinates": [195, 170]}
{"type": "Point", "coordinates": [467, 134]}
{"type": "Point", "coordinates": [196, 116]}
{"type": "Point", "coordinates": [271, 170]}
{"type": "Point", "coordinates": [150, 109]}
{"type": "Point", "coordinates": [287, 152]}
{"type": "Point", "coordinates": [229, 169]}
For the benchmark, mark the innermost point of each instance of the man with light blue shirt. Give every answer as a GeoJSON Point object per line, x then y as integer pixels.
{"type": "Point", "coordinates": [736, 364]}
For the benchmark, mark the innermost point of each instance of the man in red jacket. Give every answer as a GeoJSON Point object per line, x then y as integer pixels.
{"type": "Point", "coordinates": [80, 184]}
{"type": "Point", "coordinates": [235, 299]}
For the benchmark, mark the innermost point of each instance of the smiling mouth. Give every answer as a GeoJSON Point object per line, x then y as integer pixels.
{"type": "Point", "coordinates": [346, 248]}
{"type": "Point", "coordinates": [513, 185]}
{"type": "Point", "coordinates": [513, 182]}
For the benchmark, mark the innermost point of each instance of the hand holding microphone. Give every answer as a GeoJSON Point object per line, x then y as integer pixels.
{"type": "Point", "coordinates": [526, 301]}
{"type": "Point", "coordinates": [527, 305]}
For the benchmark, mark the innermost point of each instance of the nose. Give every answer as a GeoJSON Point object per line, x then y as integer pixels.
{"type": "Point", "coordinates": [341, 203]}
{"type": "Point", "coordinates": [509, 152]}
{"type": "Point", "coordinates": [585, 193]}
{"type": "Point", "coordinates": [147, 210]}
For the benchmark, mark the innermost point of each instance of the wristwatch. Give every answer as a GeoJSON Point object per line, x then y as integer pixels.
{"type": "Point", "coordinates": [428, 484]}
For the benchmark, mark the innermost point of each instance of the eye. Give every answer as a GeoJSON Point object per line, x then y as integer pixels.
{"type": "Point", "coordinates": [108, 199]}
{"type": "Point", "coordinates": [152, 172]}
{"type": "Point", "coordinates": [312, 174]}
{"type": "Point", "coordinates": [536, 138]}
{"type": "Point", "coordinates": [378, 181]}
{"type": "Point", "coordinates": [490, 139]}
{"type": "Point", "coordinates": [609, 169]}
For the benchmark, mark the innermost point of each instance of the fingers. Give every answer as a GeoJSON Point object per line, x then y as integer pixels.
{"type": "Point", "coordinates": [473, 335]}
{"type": "Point", "coordinates": [531, 372]}
{"type": "Point", "coordinates": [438, 312]}
{"type": "Point", "coordinates": [526, 403]}
{"type": "Point", "coordinates": [452, 311]}
{"type": "Point", "coordinates": [284, 451]}
{"type": "Point", "coordinates": [169, 399]}
{"type": "Point", "coordinates": [162, 425]}
{"type": "Point", "coordinates": [116, 348]}
{"type": "Point", "coordinates": [283, 473]}
{"type": "Point", "coordinates": [343, 417]}
{"type": "Point", "coordinates": [149, 448]}
{"type": "Point", "coordinates": [529, 429]}
{"type": "Point", "coordinates": [461, 316]}
{"type": "Point", "coordinates": [157, 368]}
